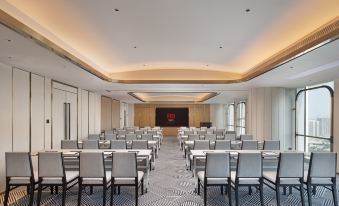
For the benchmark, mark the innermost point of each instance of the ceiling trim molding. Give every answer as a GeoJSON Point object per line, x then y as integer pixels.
{"type": "Point", "coordinates": [205, 98]}
{"type": "Point", "coordinates": [327, 32]}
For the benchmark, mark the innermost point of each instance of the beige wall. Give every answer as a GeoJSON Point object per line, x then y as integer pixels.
{"type": "Point", "coordinates": [110, 113]}
{"type": "Point", "coordinates": [144, 115]}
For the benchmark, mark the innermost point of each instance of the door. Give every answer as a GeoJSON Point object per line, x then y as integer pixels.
{"type": "Point", "coordinates": [58, 117]}
{"type": "Point", "coordinates": [72, 100]}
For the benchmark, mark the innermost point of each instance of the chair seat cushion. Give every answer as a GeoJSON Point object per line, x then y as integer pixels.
{"type": "Point", "coordinates": [128, 181]}
{"type": "Point", "coordinates": [318, 180]}
{"type": "Point", "coordinates": [96, 181]}
{"type": "Point", "coordinates": [212, 181]}
{"type": "Point", "coordinates": [245, 181]}
{"type": "Point", "coordinates": [23, 180]}
{"type": "Point", "coordinates": [70, 175]}
{"type": "Point", "coordinates": [271, 176]}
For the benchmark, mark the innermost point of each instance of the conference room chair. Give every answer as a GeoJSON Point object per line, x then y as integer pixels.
{"type": "Point", "coordinates": [217, 173]}
{"type": "Point", "coordinates": [94, 136]}
{"type": "Point", "coordinates": [188, 132]}
{"type": "Point", "coordinates": [230, 136]}
{"type": "Point", "coordinates": [130, 130]}
{"type": "Point", "coordinates": [147, 137]}
{"type": "Point", "coordinates": [230, 132]}
{"type": "Point", "coordinates": [131, 137]}
{"type": "Point", "coordinates": [271, 145]}
{"type": "Point", "coordinates": [118, 144]}
{"type": "Point", "coordinates": [202, 133]}
{"type": "Point", "coordinates": [210, 131]}
{"type": "Point", "coordinates": [192, 137]}
{"type": "Point", "coordinates": [246, 137]}
{"type": "Point", "coordinates": [152, 132]}
{"type": "Point", "coordinates": [110, 136]}
{"type": "Point", "coordinates": [248, 173]}
{"type": "Point", "coordinates": [90, 144]}
{"type": "Point", "coordinates": [139, 133]}
{"type": "Point", "coordinates": [139, 144]}
{"type": "Point", "coordinates": [203, 128]}
{"type": "Point", "coordinates": [199, 145]}
{"type": "Point", "coordinates": [19, 172]}
{"type": "Point", "coordinates": [249, 145]}
{"type": "Point", "coordinates": [52, 173]}
{"type": "Point", "coordinates": [322, 172]}
{"type": "Point", "coordinates": [93, 175]}
{"type": "Point", "coordinates": [121, 134]}
{"type": "Point", "coordinates": [125, 173]}
{"type": "Point", "coordinates": [69, 144]}
{"type": "Point", "coordinates": [290, 173]}
{"type": "Point", "coordinates": [211, 137]}
{"type": "Point", "coordinates": [109, 132]}
{"type": "Point", "coordinates": [222, 145]}
{"type": "Point", "coordinates": [220, 133]}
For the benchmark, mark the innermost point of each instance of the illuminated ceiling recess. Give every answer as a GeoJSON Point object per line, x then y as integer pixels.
{"type": "Point", "coordinates": [187, 97]}
{"type": "Point", "coordinates": [130, 43]}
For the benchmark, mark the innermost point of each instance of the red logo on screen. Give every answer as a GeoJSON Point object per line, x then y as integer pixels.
{"type": "Point", "coordinates": [170, 116]}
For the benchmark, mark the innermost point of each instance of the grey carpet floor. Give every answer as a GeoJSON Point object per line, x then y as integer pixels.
{"type": "Point", "coordinates": [171, 185]}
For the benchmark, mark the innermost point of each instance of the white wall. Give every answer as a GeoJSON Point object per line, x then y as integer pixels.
{"type": "Point", "coordinates": [94, 113]}
{"type": "Point", "coordinates": [270, 114]}
{"type": "Point", "coordinates": [130, 116]}
{"type": "Point", "coordinates": [218, 115]}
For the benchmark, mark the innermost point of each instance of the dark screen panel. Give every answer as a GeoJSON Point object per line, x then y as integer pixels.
{"type": "Point", "coordinates": [171, 117]}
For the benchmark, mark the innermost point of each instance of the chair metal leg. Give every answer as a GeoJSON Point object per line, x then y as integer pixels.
{"type": "Point", "coordinates": [290, 190]}
{"type": "Point", "coordinates": [64, 194]}
{"type": "Point", "coordinates": [80, 192]}
{"type": "Point", "coordinates": [284, 190]}
{"type": "Point", "coordinates": [261, 188]}
{"type": "Point", "coordinates": [314, 190]}
{"type": "Point", "coordinates": [205, 193]}
{"type": "Point", "coordinates": [198, 186]}
{"type": "Point", "coordinates": [142, 187]}
{"type": "Point", "coordinates": [39, 194]}
{"type": "Point", "coordinates": [229, 192]}
{"type": "Point", "coordinates": [302, 194]}
{"type": "Point", "coordinates": [112, 189]}
{"type": "Point", "coordinates": [8, 187]}
{"type": "Point", "coordinates": [236, 191]}
{"type": "Point", "coordinates": [31, 194]}
{"type": "Point", "coordinates": [51, 188]}
{"type": "Point", "coordinates": [222, 190]}
{"type": "Point", "coordinates": [334, 193]}
{"type": "Point", "coordinates": [136, 194]}
{"type": "Point", "coordinates": [309, 194]}
{"type": "Point", "coordinates": [249, 190]}
{"type": "Point", "coordinates": [91, 190]}
{"type": "Point", "coordinates": [104, 194]}
{"type": "Point", "coordinates": [277, 192]}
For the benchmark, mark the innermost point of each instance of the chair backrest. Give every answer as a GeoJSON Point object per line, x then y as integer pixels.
{"type": "Point", "coordinates": [249, 165]}
{"type": "Point", "coordinates": [249, 145]}
{"type": "Point", "coordinates": [139, 132]}
{"type": "Point", "coordinates": [222, 145]}
{"type": "Point", "coordinates": [131, 136]}
{"type": "Point", "coordinates": [118, 144]}
{"type": "Point", "coordinates": [219, 132]}
{"type": "Point", "coordinates": [230, 132]}
{"type": "Point", "coordinates": [130, 130]}
{"type": "Point", "coordinates": [18, 164]}
{"type": "Point", "coordinates": [109, 132]}
{"type": "Point", "coordinates": [188, 132]}
{"type": "Point", "coordinates": [322, 165]}
{"type": "Point", "coordinates": [50, 164]}
{"type": "Point", "coordinates": [201, 145]}
{"type": "Point", "coordinates": [90, 144]}
{"type": "Point", "coordinates": [291, 165]}
{"type": "Point", "coordinates": [193, 137]}
{"type": "Point", "coordinates": [246, 137]}
{"type": "Point", "coordinates": [203, 128]}
{"type": "Point", "coordinates": [230, 136]}
{"type": "Point", "coordinates": [147, 137]}
{"type": "Point", "coordinates": [139, 144]}
{"type": "Point", "coordinates": [209, 131]}
{"type": "Point", "coordinates": [217, 165]}
{"type": "Point", "coordinates": [124, 165]}
{"type": "Point", "coordinates": [271, 145]}
{"type": "Point", "coordinates": [211, 137]}
{"type": "Point", "coordinates": [110, 136]}
{"type": "Point", "coordinates": [121, 132]}
{"type": "Point", "coordinates": [69, 144]}
{"type": "Point", "coordinates": [94, 136]}
{"type": "Point", "coordinates": [153, 132]}
{"type": "Point", "coordinates": [92, 165]}
{"type": "Point", "coordinates": [202, 132]}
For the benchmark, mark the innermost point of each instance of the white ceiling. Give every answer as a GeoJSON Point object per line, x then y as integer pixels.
{"type": "Point", "coordinates": [173, 34]}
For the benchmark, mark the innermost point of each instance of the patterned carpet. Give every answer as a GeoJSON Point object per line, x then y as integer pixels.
{"type": "Point", "coordinates": [172, 185]}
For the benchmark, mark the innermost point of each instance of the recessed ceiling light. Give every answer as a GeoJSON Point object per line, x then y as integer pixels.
{"type": "Point", "coordinates": [135, 47]}
{"type": "Point", "coordinates": [9, 40]}
{"type": "Point", "coordinates": [291, 67]}
{"type": "Point", "coordinates": [9, 57]}
{"type": "Point", "coordinates": [116, 9]}
{"type": "Point", "coordinates": [207, 65]}
{"type": "Point", "coordinates": [248, 10]}
{"type": "Point", "coordinates": [220, 47]}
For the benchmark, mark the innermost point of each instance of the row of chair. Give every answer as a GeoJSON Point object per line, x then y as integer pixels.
{"type": "Point", "coordinates": [51, 173]}
{"type": "Point", "coordinates": [226, 145]}
{"type": "Point", "coordinates": [290, 173]}
{"type": "Point", "coordinates": [94, 144]}
{"type": "Point", "coordinates": [215, 136]}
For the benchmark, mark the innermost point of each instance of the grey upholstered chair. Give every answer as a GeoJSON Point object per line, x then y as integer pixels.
{"type": "Point", "coordinates": [118, 144]}
{"type": "Point", "coordinates": [140, 144]}
{"type": "Point", "coordinates": [147, 137]}
{"type": "Point", "coordinates": [131, 137]}
{"type": "Point", "coordinates": [211, 137]}
{"type": "Point", "coordinates": [90, 144]}
{"type": "Point", "coordinates": [110, 136]}
{"type": "Point", "coordinates": [322, 172]}
{"type": "Point", "coordinates": [92, 173]}
{"type": "Point", "coordinates": [249, 145]}
{"type": "Point", "coordinates": [125, 173]}
{"type": "Point", "coordinates": [230, 132]}
{"type": "Point", "coordinates": [199, 145]}
{"type": "Point", "coordinates": [219, 132]}
{"type": "Point", "coordinates": [217, 173]}
{"type": "Point", "coordinates": [94, 136]}
{"type": "Point", "coordinates": [188, 132]}
{"type": "Point", "coordinates": [19, 172]}
{"type": "Point", "coordinates": [222, 145]}
{"type": "Point", "coordinates": [246, 137]}
{"type": "Point", "coordinates": [202, 132]}
{"type": "Point", "coordinates": [52, 173]}
{"type": "Point", "coordinates": [152, 132]}
{"type": "Point", "coordinates": [192, 137]}
{"type": "Point", "coordinates": [121, 134]}
{"type": "Point", "coordinates": [139, 133]}
{"type": "Point", "coordinates": [248, 173]}
{"type": "Point", "coordinates": [69, 144]}
{"type": "Point", "coordinates": [130, 130]}
{"type": "Point", "coordinates": [271, 145]}
{"type": "Point", "coordinates": [290, 172]}
{"type": "Point", "coordinates": [230, 136]}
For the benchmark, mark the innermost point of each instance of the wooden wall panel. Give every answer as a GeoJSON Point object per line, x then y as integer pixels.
{"type": "Point", "coordinates": [144, 115]}
{"type": "Point", "coordinates": [106, 113]}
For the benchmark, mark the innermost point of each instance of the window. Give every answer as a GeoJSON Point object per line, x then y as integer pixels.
{"type": "Point", "coordinates": [230, 117]}
{"type": "Point", "coordinates": [241, 118]}
{"type": "Point", "coordinates": [314, 118]}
